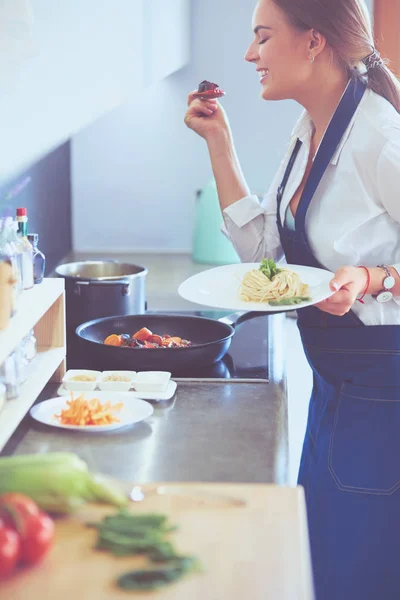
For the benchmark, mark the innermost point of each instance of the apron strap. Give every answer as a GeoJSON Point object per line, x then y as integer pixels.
{"type": "Point", "coordinates": [333, 135]}
{"type": "Point", "coordinates": [282, 187]}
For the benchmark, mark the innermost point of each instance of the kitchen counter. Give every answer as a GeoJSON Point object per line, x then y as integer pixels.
{"type": "Point", "coordinates": [224, 433]}
{"type": "Point", "coordinates": [211, 432]}
{"type": "Point", "coordinates": [208, 432]}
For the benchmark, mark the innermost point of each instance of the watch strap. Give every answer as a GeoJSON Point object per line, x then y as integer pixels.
{"type": "Point", "coordinates": [385, 294]}
{"type": "Point", "coordinates": [385, 268]}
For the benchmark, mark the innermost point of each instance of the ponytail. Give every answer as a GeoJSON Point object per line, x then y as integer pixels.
{"type": "Point", "coordinates": [382, 81]}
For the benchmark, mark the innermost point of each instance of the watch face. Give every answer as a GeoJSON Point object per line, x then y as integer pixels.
{"type": "Point", "coordinates": [389, 282]}
{"type": "Point", "coordinates": [384, 297]}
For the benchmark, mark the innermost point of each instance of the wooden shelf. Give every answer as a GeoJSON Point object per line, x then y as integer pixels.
{"type": "Point", "coordinates": [40, 371]}
{"type": "Point", "coordinates": [32, 306]}
{"type": "Point", "coordinates": [42, 309]}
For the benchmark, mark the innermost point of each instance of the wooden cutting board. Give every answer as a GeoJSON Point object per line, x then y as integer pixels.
{"type": "Point", "coordinates": [258, 550]}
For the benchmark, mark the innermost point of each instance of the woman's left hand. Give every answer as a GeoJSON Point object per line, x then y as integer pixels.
{"type": "Point", "coordinates": [348, 283]}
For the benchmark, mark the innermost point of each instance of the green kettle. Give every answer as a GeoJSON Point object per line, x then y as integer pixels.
{"type": "Point", "coordinates": [209, 243]}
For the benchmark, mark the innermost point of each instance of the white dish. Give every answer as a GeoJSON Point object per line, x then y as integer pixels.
{"type": "Point", "coordinates": [219, 287]}
{"type": "Point", "coordinates": [87, 386]}
{"type": "Point", "coordinates": [133, 411]}
{"type": "Point", "coordinates": [167, 394]}
{"type": "Point", "coordinates": [116, 386]}
{"type": "Point", "coordinates": [151, 381]}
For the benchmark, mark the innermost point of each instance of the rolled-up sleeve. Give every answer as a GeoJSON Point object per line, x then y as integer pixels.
{"type": "Point", "coordinates": [251, 226]}
{"type": "Point", "coordinates": [389, 184]}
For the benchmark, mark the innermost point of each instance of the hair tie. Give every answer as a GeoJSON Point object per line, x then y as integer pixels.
{"type": "Point", "coordinates": [373, 60]}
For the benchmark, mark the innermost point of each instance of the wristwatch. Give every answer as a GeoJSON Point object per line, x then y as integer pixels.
{"type": "Point", "coordinates": [388, 283]}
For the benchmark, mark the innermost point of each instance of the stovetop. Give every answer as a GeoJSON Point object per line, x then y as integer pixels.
{"type": "Point", "coordinates": [246, 360]}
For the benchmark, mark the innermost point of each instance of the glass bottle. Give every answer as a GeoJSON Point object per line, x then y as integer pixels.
{"type": "Point", "coordinates": [30, 343]}
{"type": "Point", "coordinates": [21, 363]}
{"type": "Point", "coordinates": [7, 291]}
{"type": "Point", "coordinates": [11, 246]}
{"type": "Point", "coordinates": [39, 259]}
{"type": "Point", "coordinates": [27, 257]}
{"type": "Point", "coordinates": [9, 375]}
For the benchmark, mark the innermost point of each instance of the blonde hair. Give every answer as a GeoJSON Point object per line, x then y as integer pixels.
{"type": "Point", "coordinates": [347, 28]}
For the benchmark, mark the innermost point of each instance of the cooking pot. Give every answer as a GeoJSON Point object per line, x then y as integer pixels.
{"type": "Point", "coordinates": [96, 289]}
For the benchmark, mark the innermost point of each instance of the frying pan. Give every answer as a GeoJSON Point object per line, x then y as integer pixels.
{"type": "Point", "coordinates": [211, 340]}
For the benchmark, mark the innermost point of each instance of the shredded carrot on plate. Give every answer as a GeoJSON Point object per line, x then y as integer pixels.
{"type": "Point", "coordinates": [88, 412]}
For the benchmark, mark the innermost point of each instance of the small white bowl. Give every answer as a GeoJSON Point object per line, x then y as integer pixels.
{"type": "Point", "coordinates": [151, 381]}
{"type": "Point", "coordinates": [116, 386]}
{"type": "Point", "coordinates": [84, 386]}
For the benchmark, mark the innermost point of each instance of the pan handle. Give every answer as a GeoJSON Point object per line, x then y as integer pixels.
{"type": "Point", "coordinates": [240, 316]}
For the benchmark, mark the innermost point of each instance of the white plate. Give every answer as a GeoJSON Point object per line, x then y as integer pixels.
{"type": "Point", "coordinates": [167, 394]}
{"type": "Point", "coordinates": [133, 411]}
{"type": "Point", "coordinates": [219, 287]}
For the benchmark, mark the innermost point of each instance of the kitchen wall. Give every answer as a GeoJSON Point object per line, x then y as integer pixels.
{"type": "Point", "coordinates": [48, 200]}
{"type": "Point", "coordinates": [136, 171]}
{"type": "Point", "coordinates": [62, 66]}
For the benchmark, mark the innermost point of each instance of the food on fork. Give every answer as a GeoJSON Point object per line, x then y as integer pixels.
{"type": "Point", "coordinates": [208, 91]}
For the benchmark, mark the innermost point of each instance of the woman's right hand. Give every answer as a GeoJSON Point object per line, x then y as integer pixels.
{"type": "Point", "coordinates": [206, 117]}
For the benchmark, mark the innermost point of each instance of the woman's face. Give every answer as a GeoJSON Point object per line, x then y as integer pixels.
{"type": "Point", "coordinates": [280, 52]}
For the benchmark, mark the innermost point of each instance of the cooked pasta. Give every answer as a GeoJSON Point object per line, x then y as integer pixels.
{"type": "Point", "coordinates": [256, 287]}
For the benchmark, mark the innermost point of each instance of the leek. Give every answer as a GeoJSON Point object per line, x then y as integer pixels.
{"type": "Point", "coordinates": [58, 482]}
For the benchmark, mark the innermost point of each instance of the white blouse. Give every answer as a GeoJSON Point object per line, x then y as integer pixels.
{"type": "Point", "coordinates": [354, 217]}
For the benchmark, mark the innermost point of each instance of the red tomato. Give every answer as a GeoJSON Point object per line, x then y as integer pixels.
{"type": "Point", "coordinates": [16, 508]}
{"type": "Point", "coordinates": [10, 548]}
{"type": "Point", "coordinates": [24, 505]}
{"type": "Point", "coordinates": [36, 538]}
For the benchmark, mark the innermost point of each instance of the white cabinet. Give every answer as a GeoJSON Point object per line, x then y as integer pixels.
{"type": "Point", "coordinates": [83, 59]}
{"type": "Point", "coordinates": [43, 309]}
{"type": "Point", "coordinates": [166, 36]}
{"type": "Point", "coordinates": [86, 58]}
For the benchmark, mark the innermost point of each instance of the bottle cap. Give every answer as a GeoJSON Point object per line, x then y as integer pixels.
{"type": "Point", "coordinates": [21, 212]}
{"type": "Point", "coordinates": [33, 238]}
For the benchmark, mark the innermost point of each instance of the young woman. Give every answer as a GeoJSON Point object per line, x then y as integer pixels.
{"type": "Point", "coordinates": [334, 204]}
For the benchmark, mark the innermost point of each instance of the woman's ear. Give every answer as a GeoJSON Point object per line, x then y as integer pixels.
{"type": "Point", "coordinates": [317, 42]}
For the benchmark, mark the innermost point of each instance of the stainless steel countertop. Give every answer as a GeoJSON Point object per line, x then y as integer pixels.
{"type": "Point", "coordinates": [210, 432]}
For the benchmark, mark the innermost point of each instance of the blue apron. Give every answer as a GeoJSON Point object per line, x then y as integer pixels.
{"type": "Point", "coordinates": [350, 465]}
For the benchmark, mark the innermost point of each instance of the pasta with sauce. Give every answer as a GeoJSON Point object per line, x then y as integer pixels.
{"type": "Point", "coordinates": [268, 285]}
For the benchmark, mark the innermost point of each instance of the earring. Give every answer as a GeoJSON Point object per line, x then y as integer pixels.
{"type": "Point", "coordinates": [312, 57]}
